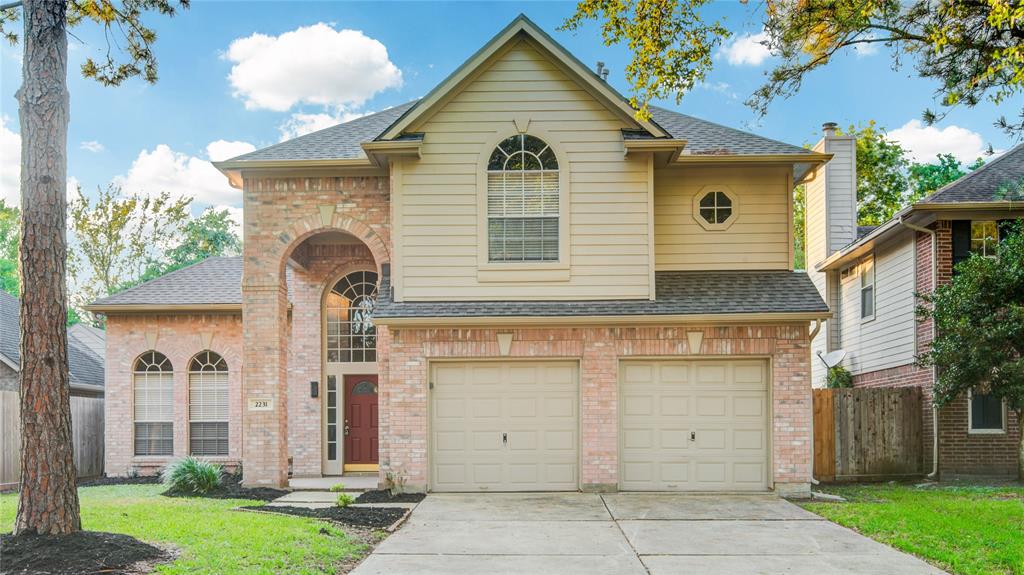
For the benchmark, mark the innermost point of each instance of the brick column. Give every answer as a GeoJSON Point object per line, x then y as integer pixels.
{"type": "Point", "coordinates": [599, 390]}
{"type": "Point", "coordinates": [265, 432]}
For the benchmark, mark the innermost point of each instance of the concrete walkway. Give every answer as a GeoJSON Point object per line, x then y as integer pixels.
{"type": "Point", "coordinates": [627, 534]}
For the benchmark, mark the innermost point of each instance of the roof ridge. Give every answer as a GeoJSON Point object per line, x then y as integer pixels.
{"type": "Point", "coordinates": [321, 130]}
{"type": "Point", "coordinates": [966, 177]}
{"type": "Point", "coordinates": [165, 276]}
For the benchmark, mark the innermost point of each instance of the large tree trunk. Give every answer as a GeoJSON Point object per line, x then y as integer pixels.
{"type": "Point", "coordinates": [48, 502]}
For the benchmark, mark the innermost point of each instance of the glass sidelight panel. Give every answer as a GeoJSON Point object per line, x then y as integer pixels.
{"type": "Point", "coordinates": [332, 418]}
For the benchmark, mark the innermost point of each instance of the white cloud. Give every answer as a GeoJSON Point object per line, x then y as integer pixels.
{"type": "Point", "coordinates": [864, 50]}
{"type": "Point", "coordinates": [92, 146]}
{"type": "Point", "coordinates": [301, 124]}
{"type": "Point", "coordinates": [179, 174]}
{"type": "Point", "coordinates": [312, 64]}
{"type": "Point", "coordinates": [10, 163]}
{"type": "Point", "coordinates": [923, 143]}
{"type": "Point", "coordinates": [224, 150]}
{"type": "Point", "coordinates": [747, 50]}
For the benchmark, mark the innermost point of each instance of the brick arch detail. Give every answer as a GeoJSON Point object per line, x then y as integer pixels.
{"type": "Point", "coordinates": [312, 225]}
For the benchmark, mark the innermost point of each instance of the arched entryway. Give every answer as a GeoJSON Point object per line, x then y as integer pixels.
{"type": "Point", "coordinates": [350, 417]}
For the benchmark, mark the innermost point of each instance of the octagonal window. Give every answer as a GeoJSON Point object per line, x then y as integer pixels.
{"type": "Point", "coordinates": [715, 207]}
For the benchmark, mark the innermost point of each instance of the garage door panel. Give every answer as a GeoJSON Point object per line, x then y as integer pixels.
{"type": "Point", "coordinates": [510, 426]}
{"type": "Point", "coordinates": [723, 403]}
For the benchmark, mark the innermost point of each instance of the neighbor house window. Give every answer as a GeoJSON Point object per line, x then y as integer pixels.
{"type": "Point", "coordinates": [208, 404]}
{"type": "Point", "coordinates": [984, 239]}
{"type": "Point", "coordinates": [867, 288]}
{"type": "Point", "coordinates": [351, 335]}
{"type": "Point", "coordinates": [153, 384]}
{"type": "Point", "coordinates": [522, 201]}
{"type": "Point", "coordinates": [986, 413]}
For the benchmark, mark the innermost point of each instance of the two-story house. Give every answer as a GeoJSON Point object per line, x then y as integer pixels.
{"type": "Point", "coordinates": [870, 277]}
{"type": "Point", "coordinates": [509, 284]}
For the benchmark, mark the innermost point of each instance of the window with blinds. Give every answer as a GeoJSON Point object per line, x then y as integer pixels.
{"type": "Point", "coordinates": [208, 404]}
{"type": "Point", "coordinates": [522, 201]}
{"type": "Point", "coordinates": [153, 383]}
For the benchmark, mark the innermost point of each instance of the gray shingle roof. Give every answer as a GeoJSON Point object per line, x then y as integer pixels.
{"type": "Point", "coordinates": [708, 138]}
{"type": "Point", "coordinates": [864, 230]}
{"type": "Point", "coordinates": [677, 293]}
{"type": "Point", "coordinates": [216, 280]}
{"type": "Point", "coordinates": [982, 184]}
{"type": "Point", "coordinates": [337, 142]}
{"type": "Point", "coordinates": [84, 364]}
{"type": "Point", "coordinates": [343, 141]}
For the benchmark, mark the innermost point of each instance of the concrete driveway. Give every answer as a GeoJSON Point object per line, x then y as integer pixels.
{"type": "Point", "coordinates": [625, 534]}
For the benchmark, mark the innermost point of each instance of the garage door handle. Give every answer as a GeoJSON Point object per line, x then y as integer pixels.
{"type": "Point", "coordinates": [504, 439]}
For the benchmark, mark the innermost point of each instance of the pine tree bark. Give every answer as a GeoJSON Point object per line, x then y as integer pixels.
{"type": "Point", "coordinates": [48, 500]}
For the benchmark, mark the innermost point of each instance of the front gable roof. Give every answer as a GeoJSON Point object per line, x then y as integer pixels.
{"type": "Point", "coordinates": [518, 28]}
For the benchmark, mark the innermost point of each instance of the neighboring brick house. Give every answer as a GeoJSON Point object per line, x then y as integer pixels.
{"type": "Point", "coordinates": [870, 276]}
{"type": "Point", "coordinates": [510, 284]}
{"type": "Point", "coordinates": [85, 355]}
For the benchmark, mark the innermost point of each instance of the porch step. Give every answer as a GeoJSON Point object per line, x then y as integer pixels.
{"type": "Point", "coordinates": [352, 483]}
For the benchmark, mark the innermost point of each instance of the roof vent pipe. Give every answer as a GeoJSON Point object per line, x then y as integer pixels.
{"type": "Point", "coordinates": [600, 67]}
{"type": "Point", "coordinates": [604, 74]}
{"type": "Point", "coordinates": [830, 129]}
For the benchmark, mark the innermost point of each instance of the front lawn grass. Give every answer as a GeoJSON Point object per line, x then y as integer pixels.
{"type": "Point", "coordinates": [210, 536]}
{"type": "Point", "coordinates": [965, 530]}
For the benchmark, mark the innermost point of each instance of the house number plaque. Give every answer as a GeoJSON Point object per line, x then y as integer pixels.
{"type": "Point", "coordinates": [261, 404]}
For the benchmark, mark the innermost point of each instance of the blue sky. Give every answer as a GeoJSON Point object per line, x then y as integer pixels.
{"type": "Point", "coordinates": [211, 92]}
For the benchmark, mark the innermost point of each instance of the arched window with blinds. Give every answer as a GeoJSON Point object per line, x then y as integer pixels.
{"type": "Point", "coordinates": [153, 390]}
{"type": "Point", "coordinates": [522, 201]}
{"type": "Point", "coordinates": [208, 404]}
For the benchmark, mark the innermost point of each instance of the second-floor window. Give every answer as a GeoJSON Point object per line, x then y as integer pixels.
{"type": "Point", "coordinates": [522, 201]}
{"type": "Point", "coordinates": [867, 288]}
{"type": "Point", "coordinates": [351, 335]}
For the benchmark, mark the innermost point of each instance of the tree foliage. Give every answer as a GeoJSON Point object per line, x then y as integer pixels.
{"type": "Point", "coordinates": [672, 44]}
{"type": "Point", "coordinates": [10, 238]}
{"type": "Point", "coordinates": [117, 235]}
{"type": "Point", "coordinates": [124, 32]}
{"type": "Point", "coordinates": [926, 178]}
{"type": "Point", "coordinates": [881, 175]}
{"type": "Point", "coordinates": [972, 49]}
{"type": "Point", "coordinates": [211, 234]}
{"type": "Point", "coordinates": [979, 323]}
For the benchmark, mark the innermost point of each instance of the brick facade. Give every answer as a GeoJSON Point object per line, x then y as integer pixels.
{"type": "Point", "coordinates": [179, 337]}
{"type": "Point", "coordinates": [403, 394]}
{"type": "Point", "coordinates": [960, 452]}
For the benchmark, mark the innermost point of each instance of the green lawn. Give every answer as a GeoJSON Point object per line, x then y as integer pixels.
{"type": "Point", "coordinates": [964, 530]}
{"type": "Point", "coordinates": [211, 537]}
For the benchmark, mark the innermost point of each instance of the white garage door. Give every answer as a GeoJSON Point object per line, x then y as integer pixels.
{"type": "Point", "coordinates": [694, 425]}
{"type": "Point", "coordinates": [504, 426]}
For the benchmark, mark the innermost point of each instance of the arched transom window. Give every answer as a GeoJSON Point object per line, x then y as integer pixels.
{"type": "Point", "coordinates": [153, 387]}
{"type": "Point", "coordinates": [208, 404]}
{"type": "Point", "coordinates": [522, 201]}
{"type": "Point", "coordinates": [351, 335]}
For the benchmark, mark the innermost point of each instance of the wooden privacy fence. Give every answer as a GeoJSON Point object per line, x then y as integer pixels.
{"type": "Point", "coordinates": [867, 433]}
{"type": "Point", "coordinates": [86, 428]}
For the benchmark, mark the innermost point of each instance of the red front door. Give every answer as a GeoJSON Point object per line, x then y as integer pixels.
{"type": "Point", "coordinates": [361, 419]}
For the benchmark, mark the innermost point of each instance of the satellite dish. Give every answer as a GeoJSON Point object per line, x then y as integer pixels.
{"type": "Point", "coordinates": [832, 358]}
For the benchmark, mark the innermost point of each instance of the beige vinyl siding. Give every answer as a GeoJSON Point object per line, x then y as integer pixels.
{"type": "Point", "coordinates": [758, 239]}
{"type": "Point", "coordinates": [605, 251]}
{"type": "Point", "coordinates": [888, 339]}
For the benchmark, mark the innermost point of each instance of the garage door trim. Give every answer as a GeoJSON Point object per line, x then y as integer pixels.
{"type": "Point", "coordinates": [433, 362]}
{"type": "Point", "coordinates": [770, 417]}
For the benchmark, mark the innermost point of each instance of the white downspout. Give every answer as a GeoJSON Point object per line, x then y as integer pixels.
{"type": "Point", "coordinates": [813, 334]}
{"type": "Point", "coordinates": [935, 278]}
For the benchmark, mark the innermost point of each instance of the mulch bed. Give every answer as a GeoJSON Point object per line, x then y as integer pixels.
{"type": "Point", "coordinates": [231, 488]}
{"type": "Point", "coordinates": [81, 553]}
{"type": "Point", "coordinates": [378, 517]}
{"type": "Point", "coordinates": [384, 496]}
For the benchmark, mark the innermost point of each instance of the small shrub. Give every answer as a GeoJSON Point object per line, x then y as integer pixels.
{"type": "Point", "coordinates": [839, 377]}
{"type": "Point", "coordinates": [192, 475]}
{"type": "Point", "coordinates": [338, 488]}
{"type": "Point", "coordinates": [344, 500]}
